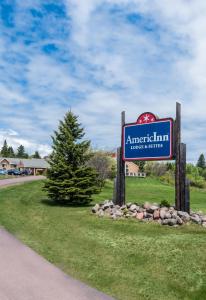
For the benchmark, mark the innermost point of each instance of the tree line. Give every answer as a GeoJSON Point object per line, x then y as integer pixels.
{"type": "Point", "coordinates": [8, 152]}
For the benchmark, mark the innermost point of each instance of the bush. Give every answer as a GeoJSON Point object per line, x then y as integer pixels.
{"type": "Point", "coordinates": [104, 165]}
{"type": "Point", "coordinates": [155, 168]}
{"type": "Point", "coordinates": [164, 203]}
{"type": "Point", "coordinates": [197, 181]}
{"type": "Point", "coordinates": [168, 177]}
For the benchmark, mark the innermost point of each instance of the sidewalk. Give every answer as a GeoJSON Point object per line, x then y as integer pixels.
{"type": "Point", "coordinates": [17, 180]}
{"type": "Point", "coordinates": [27, 276]}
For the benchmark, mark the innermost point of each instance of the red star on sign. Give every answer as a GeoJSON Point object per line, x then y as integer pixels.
{"type": "Point", "coordinates": [146, 118]}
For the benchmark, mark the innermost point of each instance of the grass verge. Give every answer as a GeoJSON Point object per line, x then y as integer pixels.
{"type": "Point", "coordinates": [126, 259]}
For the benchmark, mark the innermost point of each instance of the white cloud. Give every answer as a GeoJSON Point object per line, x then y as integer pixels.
{"type": "Point", "coordinates": [114, 65]}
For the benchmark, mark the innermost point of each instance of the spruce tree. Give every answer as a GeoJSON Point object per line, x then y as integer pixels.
{"type": "Point", "coordinates": [69, 179]}
{"type": "Point", "coordinates": [11, 152]}
{"type": "Point", "coordinates": [4, 149]}
{"type": "Point", "coordinates": [21, 152]}
{"type": "Point", "coordinates": [201, 162]}
{"type": "Point", "coordinates": [36, 155]}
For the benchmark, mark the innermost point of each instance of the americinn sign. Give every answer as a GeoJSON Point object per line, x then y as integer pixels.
{"type": "Point", "coordinates": [151, 138]}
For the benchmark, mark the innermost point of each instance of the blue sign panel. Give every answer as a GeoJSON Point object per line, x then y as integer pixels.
{"type": "Point", "coordinates": [149, 141]}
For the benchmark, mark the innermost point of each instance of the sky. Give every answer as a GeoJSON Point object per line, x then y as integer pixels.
{"type": "Point", "coordinates": [98, 58]}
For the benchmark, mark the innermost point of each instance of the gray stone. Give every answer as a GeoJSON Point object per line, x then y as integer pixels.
{"type": "Point", "coordinates": [123, 207]}
{"type": "Point", "coordinates": [148, 215]}
{"type": "Point", "coordinates": [147, 205]}
{"type": "Point", "coordinates": [165, 222]}
{"type": "Point", "coordinates": [129, 204]}
{"type": "Point", "coordinates": [184, 216]}
{"type": "Point", "coordinates": [203, 218]}
{"type": "Point", "coordinates": [163, 211]}
{"type": "Point", "coordinates": [105, 206]}
{"type": "Point", "coordinates": [95, 208]}
{"type": "Point", "coordinates": [134, 214]}
{"type": "Point", "coordinates": [151, 209]}
{"type": "Point", "coordinates": [108, 211]}
{"type": "Point", "coordinates": [172, 222]}
{"type": "Point", "coordinates": [119, 213]}
{"type": "Point", "coordinates": [138, 208]}
{"type": "Point", "coordinates": [114, 217]}
{"type": "Point", "coordinates": [196, 219]}
{"type": "Point", "coordinates": [133, 207]}
{"type": "Point", "coordinates": [156, 214]}
{"type": "Point", "coordinates": [179, 220]}
{"type": "Point", "coordinates": [140, 215]}
{"type": "Point", "coordinates": [168, 215]}
{"type": "Point", "coordinates": [100, 213]}
{"type": "Point", "coordinates": [174, 215]}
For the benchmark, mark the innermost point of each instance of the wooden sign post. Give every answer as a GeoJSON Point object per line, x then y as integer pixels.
{"type": "Point", "coordinates": [150, 138]}
{"type": "Point", "coordinates": [182, 192]}
{"type": "Point", "coordinates": [119, 195]}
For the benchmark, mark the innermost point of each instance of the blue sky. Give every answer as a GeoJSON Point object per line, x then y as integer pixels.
{"type": "Point", "coordinates": [99, 58]}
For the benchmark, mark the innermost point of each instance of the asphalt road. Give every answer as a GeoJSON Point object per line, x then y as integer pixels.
{"type": "Point", "coordinates": [25, 275]}
{"type": "Point", "coordinates": [17, 180]}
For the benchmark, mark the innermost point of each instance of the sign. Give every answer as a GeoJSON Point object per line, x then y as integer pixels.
{"type": "Point", "coordinates": [148, 139]}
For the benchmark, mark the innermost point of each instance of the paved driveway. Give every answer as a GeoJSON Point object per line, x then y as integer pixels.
{"type": "Point", "coordinates": [12, 181]}
{"type": "Point", "coordinates": [27, 276]}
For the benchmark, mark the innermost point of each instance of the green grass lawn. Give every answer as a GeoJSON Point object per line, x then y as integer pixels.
{"type": "Point", "coordinates": [126, 258]}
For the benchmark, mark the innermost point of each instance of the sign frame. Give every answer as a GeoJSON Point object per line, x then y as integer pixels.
{"type": "Point", "coordinates": [156, 120]}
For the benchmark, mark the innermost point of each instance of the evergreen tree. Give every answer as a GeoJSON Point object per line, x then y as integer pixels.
{"type": "Point", "coordinates": [21, 152]}
{"type": "Point", "coordinates": [5, 149]}
{"type": "Point", "coordinates": [11, 152]}
{"type": "Point", "coordinates": [36, 155]}
{"type": "Point", "coordinates": [201, 162]}
{"type": "Point", "coordinates": [69, 179]}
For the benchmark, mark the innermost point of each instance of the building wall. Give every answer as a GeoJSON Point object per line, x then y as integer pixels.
{"type": "Point", "coordinates": [5, 164]}
{"type": "Point", "coordinates": [131, 169]}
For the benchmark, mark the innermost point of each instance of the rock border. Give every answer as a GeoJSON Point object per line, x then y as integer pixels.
{"type": "Point", "coordinates": [149, 212]}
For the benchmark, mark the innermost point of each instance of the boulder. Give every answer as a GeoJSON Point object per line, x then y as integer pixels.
{"type": "Point", "coordinates": [147, 205]}
{"type": "Point", "coordinates": [95, 208]}
{"type": "Point", "coordinates": [148, 215]}
{"type": "Point", "coordinates": [123, 207]}
{"type": "Point", "coordinates": [133, 207]}
{"type": "Point", "coordinates": [172, 222]}
{"type": "Point", "coordinates": [196, 219]}
{"type": "Point", "coordinates": [168, 215]}
{"type": "Point", "coordinates": [184, 216]}
{"type": "Point", "coordinates": [174, 215]}
{"type": "Point", "coordinates": [203, 218]}
{"type": "Point", "coordinates": [100, 213]}
{"type": "Point", "coordinates": [165, 222]}
{"type": "Point", "coordinates": [156, 214]}
{"type": "Point", "coordinates": [151, 209]}
{"type": "Point", "coordinates": [108, 211]}
{"type": "Point", "coordinates": [140, 216]}
{"type": "Point", "coordinates": [163, 211]}
{"type": "Point", "coordinates": [179, 220]}
{"type": "Point", "coordinates": [119, 213]}
{"type": "Point", "coordinates": [129, 204]}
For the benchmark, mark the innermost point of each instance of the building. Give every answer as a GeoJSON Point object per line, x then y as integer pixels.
{"type": "Point", "coordinates": [34, 165]}
{"type": "Point", "coordinates": [131, 169]}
